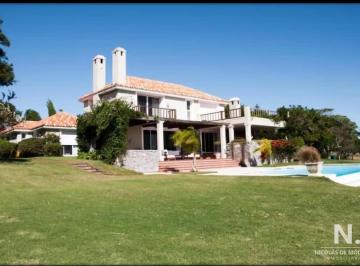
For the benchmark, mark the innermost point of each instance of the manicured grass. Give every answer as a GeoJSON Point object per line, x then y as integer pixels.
{"type": "Point", "coordinates": [326, 161]}
{"type": "Point", "coordinates": [51, 212]}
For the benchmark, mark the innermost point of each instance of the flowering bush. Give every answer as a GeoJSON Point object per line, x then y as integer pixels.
{"type": "Point", "coordinates": [286, 149]}
{"type": "Point", "coordinates": [265, 150]}
{"type": "Point", "coordinates": [280, 149]}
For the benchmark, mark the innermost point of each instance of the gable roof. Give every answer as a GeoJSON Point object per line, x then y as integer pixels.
{"type": "Point", "coordinates": [158, 86]}
{"type": "Point", "coordinates": [60, 119]}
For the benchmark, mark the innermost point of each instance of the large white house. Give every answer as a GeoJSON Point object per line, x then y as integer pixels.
{"type": "Point", "coordinates": [170, 107]}
{"type": "Point", "coordinates": [61, 124]}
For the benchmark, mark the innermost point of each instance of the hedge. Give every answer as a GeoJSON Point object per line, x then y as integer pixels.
{"type": "Point", "coordinates": [7, 150]}
{"type": "Point", "coordinates": [31, 147]}
{"type": "Point", "coordinates": [52, 149]}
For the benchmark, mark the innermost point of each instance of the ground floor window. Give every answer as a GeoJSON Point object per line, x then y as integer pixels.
{"type": "Point", "coordinates": [150, 140]}
{"type": "Point", "coordinates": [67, 149]}
{"type": "Point", "coordinates": [12, 136]}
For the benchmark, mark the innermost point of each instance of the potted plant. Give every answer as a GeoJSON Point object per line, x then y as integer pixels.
{"type": "Point", "coordinates": [310, 156]}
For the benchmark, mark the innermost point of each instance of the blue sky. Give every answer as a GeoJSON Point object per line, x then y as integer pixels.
{"type": "Point", "coordinates": [271, 55]}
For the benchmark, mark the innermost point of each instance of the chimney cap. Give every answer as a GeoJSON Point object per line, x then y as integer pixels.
{"type": "Point", "coordinates": [99, 56]}
{"type": "Point", "coordinates": [119, 49]}
{"type": "Point", "coordinates": [234, 98]}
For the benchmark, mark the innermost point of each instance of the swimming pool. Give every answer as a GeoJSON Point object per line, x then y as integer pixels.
{"type": "Point", "coordinates": [333, 169]}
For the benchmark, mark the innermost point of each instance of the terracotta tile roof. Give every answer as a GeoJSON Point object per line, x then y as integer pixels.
{"type": "Point", "coordinates": [162, 87]}
{"type": "Point", "coordinates": [28, 125]}
{"type": "Point", "coordinates": [60, 119]}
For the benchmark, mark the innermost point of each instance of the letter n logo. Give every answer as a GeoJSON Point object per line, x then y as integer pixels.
{"type": "Point", "coordinates": [338, 230]}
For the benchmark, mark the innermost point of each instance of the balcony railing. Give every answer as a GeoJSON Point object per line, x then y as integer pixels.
{"type": "Point", "coordinates": [234, 113]}
{"type": "Point", "coordinates": [262, 113]}
{"type": "Point", "coordinates": [157, 112]}
{"type": "Point", "coordinates": [221, 115]}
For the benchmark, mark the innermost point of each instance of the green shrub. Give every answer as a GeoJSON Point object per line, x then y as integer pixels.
{"type": "Point", "coordinates": [82, 155]}
{"type": "Point", "coordinates": [31, 147]}
{"type": "Point", "coordinates": [7, 149]}
{"type": "Point", "coordinates": [91, 155]}
{"type": "Point", "coordinates": [52, 149]}
{"type": "Point", "coordinates": [52, 138]}
{"type": "Point", "coordinates": [105, 129]}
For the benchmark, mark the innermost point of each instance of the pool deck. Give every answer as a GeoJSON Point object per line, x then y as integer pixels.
{"type": "Point", "coordinates": [352, 180]}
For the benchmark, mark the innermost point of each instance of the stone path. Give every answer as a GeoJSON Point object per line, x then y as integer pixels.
{"type": "Point", "coordinates": [88, 168]}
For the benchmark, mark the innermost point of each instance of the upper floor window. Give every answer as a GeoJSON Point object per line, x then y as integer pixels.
{"type": "Point", "coordinates": [148, 104]}
{"type": "Point", "coordinates": [188, 104]}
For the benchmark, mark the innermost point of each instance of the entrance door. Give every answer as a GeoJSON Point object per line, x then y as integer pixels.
{"type": "Point", "coordinates": [208, 139]}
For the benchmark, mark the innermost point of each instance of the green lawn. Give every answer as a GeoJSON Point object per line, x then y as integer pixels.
{"type": "Point", "coordinates": [51, 212]}
{"type": "Point", "coordinates": [326, 161]}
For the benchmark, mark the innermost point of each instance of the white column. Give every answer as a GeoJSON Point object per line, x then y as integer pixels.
{"type": "Point", "coordinates": [160, 138]}
{"type": "Point", "coordinates": [223, 141]}
{"type": "Point", "coordinates": [247, 115]}
{"type": "Point", "coordinates": [231, 133]}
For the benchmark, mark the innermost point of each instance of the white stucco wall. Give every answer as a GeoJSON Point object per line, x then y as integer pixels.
{"type": "Point", "coordinates": [176, 103]}
{"type": "Point", "coordinates": [209, 107]}
{"type": "Point", "coordinates": [68, 137]}
{"type": "Point", "coordinates": [129, 96]}
{"type": "Point", "coordinates": [195, 110]}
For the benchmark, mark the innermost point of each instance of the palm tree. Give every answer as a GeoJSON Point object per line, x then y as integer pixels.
{"type": "Point", "coordinates": [188, 141]}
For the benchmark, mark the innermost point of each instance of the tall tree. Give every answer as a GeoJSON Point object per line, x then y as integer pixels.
{"type": "Point", "coordinates": [32, 115]}
{"type": "Point", "coordinates": [319, 128]}
{"type": "Point", "coordinates": [7, 78]}
{"type": "Point", "coordinates": [51, 108]}
{"type": "Point", "coordinates": [345, 136]}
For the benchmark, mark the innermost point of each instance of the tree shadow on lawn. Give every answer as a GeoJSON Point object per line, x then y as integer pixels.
{"type": "Point", "coordinates": [16, 160]}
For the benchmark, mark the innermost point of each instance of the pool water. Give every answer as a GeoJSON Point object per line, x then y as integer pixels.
{"type": "Point", "coordinates": [337, 169]}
